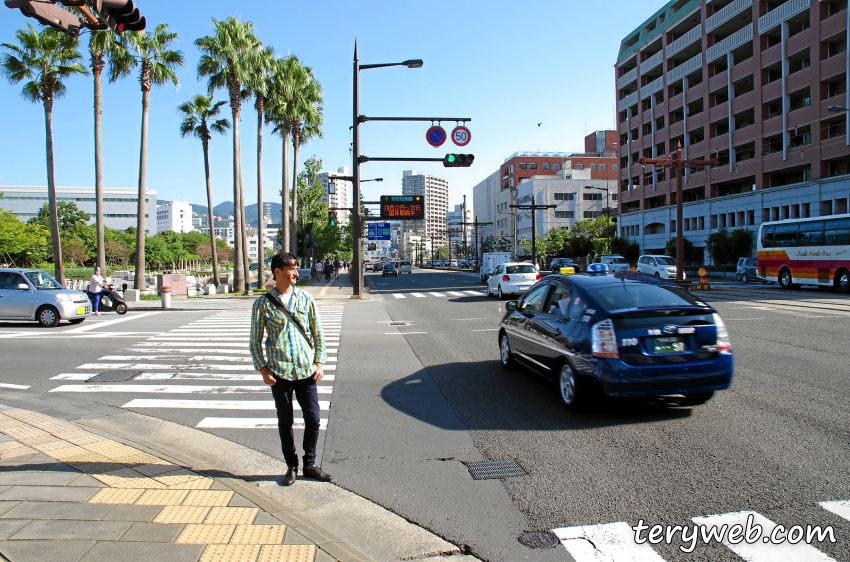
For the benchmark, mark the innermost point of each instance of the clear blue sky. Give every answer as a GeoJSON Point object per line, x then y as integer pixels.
{"type": "Point", "coordinates": [507, 65]}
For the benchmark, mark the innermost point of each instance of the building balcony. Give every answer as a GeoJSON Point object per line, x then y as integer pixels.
{"type": "Point", "coordinates": [734, 41]}
{"type": "Point", "coordinates": [627, 79]}
{"type": "Point", "coordinates": [685, 40]}
{"type": "Point", "coordinates": [652, 87]}
{"type": "Point", "coordinates": [772, 126]}
{"type": "Point", "coordinates": [745, 134]}
{"type": "Point", "coordinates": [840, 99]}
{"type": "Point", "coordinates": [745, 101]}
{"type": "Point", "coordinates": [771, 91]}
{"type": "Point", "coordinates": [833, 66]}
{"type": "Point", "coordinates": [782, 13]}
{"type": "Point", "coordinates": [690, 65]}
{"type": "Point", "coordinates": [651, 62]}
{"type": "Point", "coordinates": [627, 101]}
{"type": "Point", "coordinates": [718, 112]}
{"type": "Point", "coordinates": [726, 13]}
{"type": "Point", "coordinates": [833, 25]}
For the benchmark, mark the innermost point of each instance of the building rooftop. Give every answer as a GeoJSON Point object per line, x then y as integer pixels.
{"type": "Point", "coordinates": [610, 154]}
{"type": "Point", "coordinates": [654, 25]}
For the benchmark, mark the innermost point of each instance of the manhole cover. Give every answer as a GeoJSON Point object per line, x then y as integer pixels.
{"type": "Point", "coordinates": [539, 539]}
{"type": "Point", "coordinates": [485, 470]}
{"type": "Point", "coordinates": [115, 376]}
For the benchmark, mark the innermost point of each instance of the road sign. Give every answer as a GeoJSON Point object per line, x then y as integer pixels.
{"type": "Point", "coordinates": [461, 135]}
{"type": "Point", "coordinates": [379, 231]}
{"type": "Point", "coordinates": [436, 136]}
{"type": "Point", "coordinates": [403, 207]}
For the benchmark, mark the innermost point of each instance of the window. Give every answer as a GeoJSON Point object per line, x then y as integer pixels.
{"type": "Point", "coordinates": [10, 282]}
{"type": "Point", "coordinates": [564, 196]}
{"type": "Point", "coordinates": [533, 301]}
{"type": "Point", "coordinates": [603, 167]}
{"type": "Point", "coordinates": [522, 165]}
{"type": "Point", "coordinates": [837, 232]}
{"type": "Point", "coordinates": [614, 167]}
{"type": "Point", "coordinates": [546, 166]}
{"type": "Point", "coordinates": [592, 196]}
{"type": "Point", "coordinates": [579, 166]}
{"type": "Point", "coordinates": [592, 214]}
{"type": "Point", "coordinates": [564, 214]}
{"type": "Point", "coordinates": [593, 167]}
{"type": "Point", "coordinates": [556, 167]}
{"type": "Point", "coordinates": [532, 166]}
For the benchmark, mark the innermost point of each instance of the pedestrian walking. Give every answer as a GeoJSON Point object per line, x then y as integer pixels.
{"type": "Point", "coordinates": [329, 269]}
{"type": "Point", "coordinates": [293, 361]}
{"type": "Point", "coordinates": [97, 288]}
{"type": "Point", "coordinates": [317, 270]}
{"type": "Point", "coordinates": [336, 268]}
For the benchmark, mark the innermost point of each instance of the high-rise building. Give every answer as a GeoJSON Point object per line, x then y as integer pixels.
{"type": "Point", "coordinates": [336, 192]}
{"type": "Point", "coordinates": [436, 193]}
{"type": "Point", "coordinates": [459, 233]}
{"type": "Point", "coordinates": [749, 84]}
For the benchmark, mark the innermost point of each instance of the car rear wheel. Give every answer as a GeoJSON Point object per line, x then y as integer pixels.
{"type": "Point", "coordinates": [568, 388]}
{"type": "Point", "coordinates": [500, 294]}
{"type": "Point", "coordinates": [843, 281]}
{"type": "Point", "coordinates": [785, 279]}
{"type": "Point", "coordinates": [47, 316]}
{"type": "Point", "coordinates": [121, 308]}
{"type": "Point", "coordinates": [76, 320]}
{"type": "Point", "coordinates": [744, 278]}
{"type": "Point", "coordinates": [696, 398]}
{"type": "Point", "coordinates": [505, 354]}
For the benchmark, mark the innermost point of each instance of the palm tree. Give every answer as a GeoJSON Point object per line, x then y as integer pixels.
{"type": "Point", "coordinates": [42, 61]}
{"type": "Point", "coordinates": [150, 53]}
{"type": "Point", "coordinates": [306, 124]}
{"type": "Point", "coordinates": [226, 60]}
{"type": "Point", "coordinates": [199, 120]}
{"type": "Point", "coordinates": [259, 84]}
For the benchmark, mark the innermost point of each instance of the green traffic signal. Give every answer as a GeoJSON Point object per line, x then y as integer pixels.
{"type": "Point", "coordinates": [458, 160]}
{"type": "Point", "coordinates": [332, 218]}
{"type": "Point", "coordinates": [451, 158]}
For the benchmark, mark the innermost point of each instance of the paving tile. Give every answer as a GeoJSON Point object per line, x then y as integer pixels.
{"type": "Point", "coordinates": [10, 527]}
{"type": "Point", "coordinates": [48, 493]}
{"type": "Point", "coordinates": [116, 496]}
{"type": "Point", "coordinates": [95, 464]}
{"type": "Point", "coordinates": [231, 516]}
{"type": "Point", "coordinates": [294, 537]}
{"type": "Point", "coordinates": [152, 532]}
{"type": "Point", "coordinates": [209, 498]}
{"type": "Point", "coordinates": [132, 513]}
{"type": "Point", "coordinates": [154, 469]}
{"type": "Point", "coordinates": [16, 452]}
{"type": "Point", "coordinates": [6, 506]}
{"type": "Point", "coordinates": [240, 501]}
{"type": "Point", "coordinates": [143, 551]}
{"type": "Point", "coordinates": [218, 486]}
{"type": "Point", "coordinates": [287, 553]}
{"type": "Point", "coordinates": [69, 530]}
{"type": "Point", "coordinates": [41, 550]}
{"type": "Point", "coordinates": [127, 478]}
{"type": "Point", "coordinates": [27, 478]}
{"type": "Point", "coordinates": [206, 534]}
{"type": "Point", "coordinates": [177, 476]}
{"type": "Point", "coordinates": [258, 534]}
{"type": "Point", "coordinates": [230, 553]}
{"type": "Point", "coordinates": [199, 483]}
{"type": "Point", "coordinates": [58, 510]}
{"type": "Point", "coordinates": [162, 497]}
{"type": "Point", "coordinates": [86, 481]}
{"type": "Point", "coordinates": [181, 514]}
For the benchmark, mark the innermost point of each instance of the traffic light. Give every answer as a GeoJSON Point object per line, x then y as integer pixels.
{"type": "Point", "coordinates": [120, 15]}
{"type": "Point", "coordinates": [48, 14]}
{"type": "Point", "coordinates": [332, 218]}
{"type": "Point", "coordinates": [458, 160]}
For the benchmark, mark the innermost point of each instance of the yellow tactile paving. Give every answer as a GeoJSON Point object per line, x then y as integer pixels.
{"type": "Point", "coordinates": [230, 553]}
{"type": "Point", "coordinates": [199, 483]}
{"type": "Point", "coordinates": [111, 449]}
{"type": "Point", "coordinates": [51, 446]}
{"type": "Point", "coordinates": [287, 553]}
{"type": "Point", "coordinates": [116, 495]}
{"type": "Point", "coordinates": [232, 516]}
{"type": "Point", "coordinates": [127, 478]}
{"type": "Point", "coordinates": [68, 453]}
{"type": "Point", "coordinates": [177, 476]}
{"type": "Point", "coordinates": [162, 497]}
{"type": "Point", "coordinates": [144, 458]}
{"type": "Point", "coordinates": [209, 498]}
{"type": "Point", "coordinates": [181, 514]}
{"type": "Point", "coordinates": [18, 451]}
{"type": "Point", "coordinates": [258, 534]}
{"type": "Point", "coordinates": [206, 534]}
{"type": "Point", "coordinates": [154, 469]}
{"type": "Point", "coordinates": [85, 439]}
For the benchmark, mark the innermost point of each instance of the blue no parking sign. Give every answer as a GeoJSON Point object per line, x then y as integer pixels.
{"type": "Point", "coordinates": [436, 136]}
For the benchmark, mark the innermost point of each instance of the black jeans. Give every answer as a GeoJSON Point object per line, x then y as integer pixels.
{"type": "Point", "coordinates": [308, 398]}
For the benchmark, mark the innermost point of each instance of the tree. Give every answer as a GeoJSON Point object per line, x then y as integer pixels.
{"type": "Point", "coordinates": [741, 243]}
{"type": "Point", "coordinates": [22, 244]}
{"type": "Point", "coordinates": [625, 248]}
{"type": "Point", "coordinates": [116, 253]}
{"type": "Point", "coordinates": [150, 53]}
{"type": "Point", "coordinates": [199, 120]}
{"type": "Point", "coordinates": [226, 61]}
{"type": "Point", "coordinates": [69, 216]}
{"type": "Point", "coordinates": [717, 246]}
{"type": "Point", "coordinates": [75, 251]}
{"type": "Point", "coordinates": [276, 114]}
{"type": "Point", "coordinates": [42, 60]}
{"type": "Point", "coordinates": [693, 256]}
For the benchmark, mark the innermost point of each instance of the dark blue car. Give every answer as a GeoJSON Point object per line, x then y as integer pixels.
{"type": "Point", "coordinates": [625, 334]}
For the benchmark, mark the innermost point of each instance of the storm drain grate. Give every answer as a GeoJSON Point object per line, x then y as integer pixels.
{"type": "Point", "coordinates": [485, 470]}
{"type": "Point", "coordinates": [115, 376]}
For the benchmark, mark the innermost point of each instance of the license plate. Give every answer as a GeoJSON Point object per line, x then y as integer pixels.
{"type": "Point", "coordinates": [81, 310]}
{"type": "Point", "coordinates": [667, 345]}
{"type": "Point", "coordinates": [523, 287]}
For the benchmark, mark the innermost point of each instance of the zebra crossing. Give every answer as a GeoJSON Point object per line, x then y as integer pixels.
{"type": "Point", "coordinates": [199, 366]}
{"type": "Point", "coordinates": [479, 293]}
{"type": "Point", "coordinates": [616, 542]}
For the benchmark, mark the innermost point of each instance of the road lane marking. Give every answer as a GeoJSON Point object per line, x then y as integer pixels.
{"type": "Point", "coordinates": [456, 293]}
{"type": "Point", "coordinates": [418, 295]}
{"type": "Point", "coordinates": [486, 330]}
{"type": "Point", "coordinates": [840, 508]}
{"type": "Point", "coordinates": [214, 404]}
{"type": "Point", "coordinates": [399, 296]}
{"type": "Point", "coordinates": [252, 423]}
{"type": "Point", "coordinates": [402, 333]}
{"type": "Point", "coordinates": [437, 294]}
{"type": "Point", "coordinates": [614, 542]}
{"type": "Point", "coordinates": [171, 389]}
{"type": "Point", "coordinates": [108, 323]}
{"type": "Point", "coordinates": [475, 293]}
{"type": "Point", "coordinates": [155, 366]}
{"type": "Point", "coordinates": [13, 386]}
{"type": "Point", "coordinates": [172, 356]}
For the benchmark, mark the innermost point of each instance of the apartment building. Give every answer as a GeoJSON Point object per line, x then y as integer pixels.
{"type": "Point", "coordinates": [436, 193]}
{"type": "Point", "coordinates": [336, 192]}
{"type": "Point", "coordinates": [458, 222]}
{"type": "Point", "coordinates": [175, 216]}
{"type": "Point", "coordinates": [749, 84]}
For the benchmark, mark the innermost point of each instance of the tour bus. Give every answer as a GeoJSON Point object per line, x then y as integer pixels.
{"type": "Point", "coordinates": [814, 251]}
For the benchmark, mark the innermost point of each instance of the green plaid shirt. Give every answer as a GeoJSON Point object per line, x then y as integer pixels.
{"type": "Point", "coordinates": [288, 355]}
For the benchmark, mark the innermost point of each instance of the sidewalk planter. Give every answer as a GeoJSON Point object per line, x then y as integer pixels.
{"type": "Point", "coordinates": [165, 292]}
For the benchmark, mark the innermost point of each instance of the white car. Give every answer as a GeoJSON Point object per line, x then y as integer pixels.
{"type": "Point", "coordinates": [511, 279]}
{"type": "Point", "coordinates": [615, 263]}
{"type": "Point", "coordinates": [31, 294]}
{"type": "Point", "coordinates": [658, 265]}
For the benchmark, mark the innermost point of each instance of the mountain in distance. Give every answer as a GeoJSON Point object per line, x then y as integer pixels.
{"type": "Point", "coordinates": [225, 209]}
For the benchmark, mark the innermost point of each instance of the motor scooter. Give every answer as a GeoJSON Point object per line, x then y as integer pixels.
{"type": "Point", "coordinates": [111, 302]}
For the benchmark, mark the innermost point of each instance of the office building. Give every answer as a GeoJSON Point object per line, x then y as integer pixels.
{"type": "Point", "coordinates": [459, 233]}
{"type": "Point", "coordinates": [436, 193]}
{"type": "Point", "coordinates": [120, 204]}
{"type": "Point", "coordinates": [175, 216]}
{"type": "Point", "coordinates": [336, 192]}
{"type": "Point", "coordinates": [749, 84]}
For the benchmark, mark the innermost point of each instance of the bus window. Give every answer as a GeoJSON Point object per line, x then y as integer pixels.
{"type": "Point", "coordinates": [811, 233]}
{"type": "Point", "coordinates": [837, 232]}
{"type": "Point", "coordinates": [767, 237]}
{"type": "Point", "coordinates": [786, 235]}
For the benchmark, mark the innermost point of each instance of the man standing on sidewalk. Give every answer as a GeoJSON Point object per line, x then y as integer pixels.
{"type": "Point", "coordinates": [293, 362]}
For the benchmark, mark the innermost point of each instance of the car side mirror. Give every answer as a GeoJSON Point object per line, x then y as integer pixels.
{"type": "Point", "coordinates": [23, 287]}
{"type": "Point", "coordinates": [510, 306]}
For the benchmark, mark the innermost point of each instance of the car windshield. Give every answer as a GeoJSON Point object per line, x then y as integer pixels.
{"type": "Point", "coordinates": [641, 295]}
{"type": "Point", "coordinates": [388, 266]}
{"type": "Point", "coordinates": [664, 260]}
{"type": "Point", "coordinates": [520, 269]}
{"type": "Point", "coordinates": [42, 280]}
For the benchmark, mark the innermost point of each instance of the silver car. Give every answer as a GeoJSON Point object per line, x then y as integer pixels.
{"type": "Point", "coordinates": [30, 294]}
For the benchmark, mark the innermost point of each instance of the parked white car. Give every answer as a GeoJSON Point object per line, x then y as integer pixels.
{"type": "Point", "coordinates": [615, 263]}
{"type": "Point", "coordinates": [511, 279]}
{"type": "Point", "coordinates": [658, 265]}
{"type": "Point", "coordinates": [30, 294]}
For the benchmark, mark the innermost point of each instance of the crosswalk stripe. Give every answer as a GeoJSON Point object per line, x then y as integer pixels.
{"type": "Point", "coordinates": [760, 551]}
{"type": "Point", "coordinates": [399, 296]}
{"type": "Point", "coordinates": [474, 293]}
{"type": "Point", "coordinates": [179, 376]}
{"type": "Point", "coordinates": [155, 366]}
{"type": "Point", "coordinates": [456, 293]}
{"type": "Point", "coordinates": [187, 350]}
{"type": "Point", "coordinates": [840, 508]}
{"type": "Point", "coordinates": [171, 389]}
{"type": "Point", "coordinates": [13, 386]}
{"type": "Point", "coordinates": [149, 343]}
{"type": "Point", "coordinates": [214, 404]}
{"type": "Point", "coordinates": [252, 423]}
{"type": "Point", "coordinates": [161, 357]}
{"type": "Point", "coordinates": [419, 295]}
{"type": "Point", "coordinates": [196, 338]}
{"type": "Point", "coordinates": [610, 541]}
{"type": "Point", "coordinates": [437, 294]}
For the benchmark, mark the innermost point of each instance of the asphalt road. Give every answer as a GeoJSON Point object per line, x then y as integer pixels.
{"type": "Point", "coordinates": [419, 390]}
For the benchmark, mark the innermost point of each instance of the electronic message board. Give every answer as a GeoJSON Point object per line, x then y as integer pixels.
{"type": "Point", "coordinates": [403, 207]}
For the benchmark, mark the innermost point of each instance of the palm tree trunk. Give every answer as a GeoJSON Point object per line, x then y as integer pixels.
{"type": "Point", "coordinates": [140, 218]}
{"type": "Point", "coordinates": [294, 246]}
{"type": "Point", "coordinates": [59, 269]}
{"type": "Point", "coordinates": [284, 226]}
{"type": "Point", "coordinates": [261, 250]}
{"type": "Point", "coordinates": [213, 251]}
{"type": "Point", "coordinates": [98, 171]}
{"type": "Point", "coordinates": [238, 273]}
{"type": "Point", "coordinates": [246, 258]}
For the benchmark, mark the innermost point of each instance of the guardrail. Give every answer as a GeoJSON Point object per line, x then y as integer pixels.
{"type": "Point", "coordinates": [627, 101]}
{"type": "Point", "coordinates": [626, 78]}
{"type": "Point", "coordinates": [726, 13]}
{"type": "Point", "coordinates": [651, 62]}
{"type": "Point", "coordinates": [732, 42]}
{"type": "Point", "coordinates": [685, 40]}
{"type": "Point", "coordinates": [685, 68]}
{"type": "Point", "coordinates": [652, 87]}
{"type": "Point", "coordinates": [782, 13]}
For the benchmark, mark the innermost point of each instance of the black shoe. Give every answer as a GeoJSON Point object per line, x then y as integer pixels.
{"type": "Point", "coordinates": [288, 479]}
{"type": "Point", "coordinates": [316, 473]}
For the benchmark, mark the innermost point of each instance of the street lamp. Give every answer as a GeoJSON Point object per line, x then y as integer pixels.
{"type": "Point", "coordinates": [607, 214]}
{"type": "Point", "coordinates": [355, 180]}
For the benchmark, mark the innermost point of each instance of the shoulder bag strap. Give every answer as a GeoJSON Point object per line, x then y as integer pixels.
{"type": "Point", "coordinates": [290, 317]}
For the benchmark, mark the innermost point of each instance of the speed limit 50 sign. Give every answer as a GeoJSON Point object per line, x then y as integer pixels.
{"type": "Point", "coordinates": [461, 135]}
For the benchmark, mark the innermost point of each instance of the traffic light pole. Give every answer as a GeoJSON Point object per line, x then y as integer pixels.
{"type": "Point", "coordinates": [533, 207]}
{"type": "Point", "coordinates": [357, 261]}
{"type": "Point", "coordinates": [475, 225]}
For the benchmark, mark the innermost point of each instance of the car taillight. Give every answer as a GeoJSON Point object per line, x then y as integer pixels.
{"type": "Point", "coordinates": [537, 278]}
{"type": "Point", "coordinates": [724, 343]}
{"type": "Point", "coordinates": [506, 278]}
{"type": "Point", "coordinates": [604, 340]}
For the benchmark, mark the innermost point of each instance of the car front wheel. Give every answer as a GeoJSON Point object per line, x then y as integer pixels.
{"type": "Point", "coordinates": [47, 316]}
{"type": "Point", "coordinates": [500, 294]}
{"type": "Point", "coordinates": [505, 353]}
{"type": "Point", "coordinates": [744, 278]}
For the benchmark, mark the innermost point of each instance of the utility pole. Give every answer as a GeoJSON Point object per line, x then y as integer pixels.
{"type": "Point", "coordinates": [676, 161]}
{"type": "Point", "coordinates": [475, 224]}
{"type": "Point", "coordinates": [532, 207]}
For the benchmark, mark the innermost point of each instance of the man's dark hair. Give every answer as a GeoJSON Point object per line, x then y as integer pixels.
{"type": "Point", "coordinates": [282, 260]}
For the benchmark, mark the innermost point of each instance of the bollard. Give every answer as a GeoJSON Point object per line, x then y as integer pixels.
{"type": "Point", "coordinates": [165, 292]}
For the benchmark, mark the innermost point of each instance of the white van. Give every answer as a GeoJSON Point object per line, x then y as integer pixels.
{"type": "Point", "coordinates": [404, 267]}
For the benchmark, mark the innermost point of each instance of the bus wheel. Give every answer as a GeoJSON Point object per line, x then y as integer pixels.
{"type": "Point", "coordinates": [785, 280]}
{"type": "Point", "coordinates": [843, 281]}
